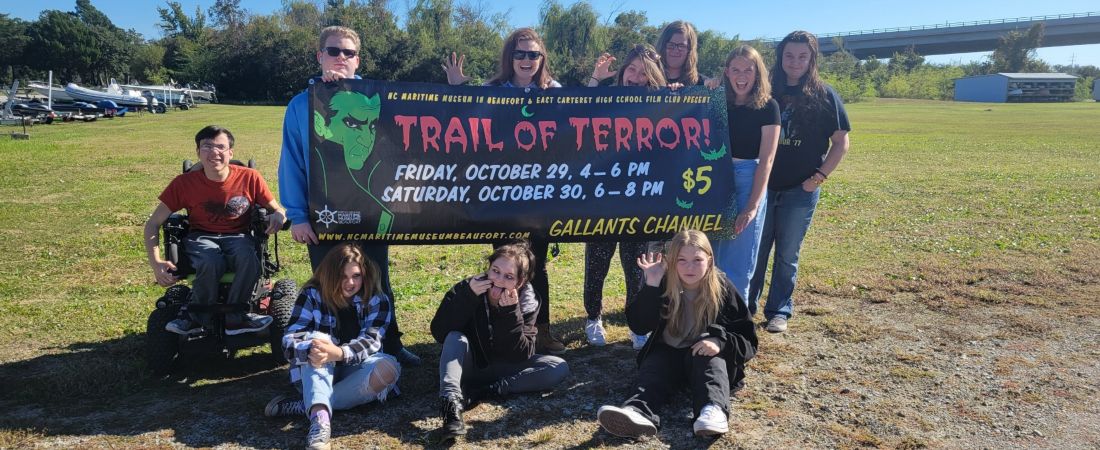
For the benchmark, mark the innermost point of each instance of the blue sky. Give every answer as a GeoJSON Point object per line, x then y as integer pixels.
{"type": "Point", "coordinates": [748, 19]}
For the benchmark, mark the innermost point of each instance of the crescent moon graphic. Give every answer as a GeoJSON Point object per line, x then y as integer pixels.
{"type": "Point", "coordinates": [523, 111]}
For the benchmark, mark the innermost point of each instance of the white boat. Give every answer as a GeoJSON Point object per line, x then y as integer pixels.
{"type": "Point", "coordinates": [163, 93]}
{"type": "Point", "coordinates": [59, 94]}
{"type": "Point", "coordinates": [114, 93]}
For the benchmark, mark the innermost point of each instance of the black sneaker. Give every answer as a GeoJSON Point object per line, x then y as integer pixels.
{"type": "Point", "coordinates": [283, 405]}
{"type": "Point", "coordinates": [407, 358]}
{"type": "Point", "coordinates": [450, 409]}
{"type": "Point", "coordinates": [474, 396]}
{"type": "Point", "coordinates": [251, 324]}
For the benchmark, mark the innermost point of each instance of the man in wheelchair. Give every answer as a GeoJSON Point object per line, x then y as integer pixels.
{"type": "Point", "coordinates": [219, 200]}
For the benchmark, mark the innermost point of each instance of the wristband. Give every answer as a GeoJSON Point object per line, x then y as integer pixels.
{"type": "Point", "coordinates": [597, 80]}
{"type": "Point", "coordinates": [822, 173]}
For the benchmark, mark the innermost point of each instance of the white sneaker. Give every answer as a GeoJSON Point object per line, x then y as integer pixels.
{"type": "Point", "coordinates": [595, 332]}
{"type": "Point", "coordinates": [712, 421]}
{"type": "Point", "coordinates": [638, 340]}
{"type": "Point", "coordinates": [624, 422]}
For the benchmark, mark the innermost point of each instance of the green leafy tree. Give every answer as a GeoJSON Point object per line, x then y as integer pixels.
{"type": "Point", "coordinates": [1016, 51]}
{"type": "Point", "coordinates": [13, 40]}
{"type": "Point", "coordinates": [64, 44]}
{"type": "Point", "coordinates": [571, 35]}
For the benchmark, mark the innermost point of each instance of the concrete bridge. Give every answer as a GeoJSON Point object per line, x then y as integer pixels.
{"type": "Point", "coordinates": [963, 37]}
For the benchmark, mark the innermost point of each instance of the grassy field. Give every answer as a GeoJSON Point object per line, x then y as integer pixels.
{"type": "Point", "coordinates": [952, 229]}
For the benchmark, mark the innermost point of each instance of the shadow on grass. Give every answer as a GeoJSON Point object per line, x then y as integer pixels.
{"type": "Point", "coordinates": [100, 391]}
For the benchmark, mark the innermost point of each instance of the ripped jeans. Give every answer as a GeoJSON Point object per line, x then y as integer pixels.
{"type": "Point", "coordinates": [344, 386]}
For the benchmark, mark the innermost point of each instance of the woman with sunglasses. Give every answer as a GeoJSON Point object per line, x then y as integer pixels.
{"type": "Point", "coordinates": [678, 47]}
{"type": "Point", "coordinates": [813, 139]}
{"type": "Point", "coordinates": [642, 67]}
{"type": "Point", "coordinates": [523, 64]}
{"type": "Point", "coordinates": [754, 134]}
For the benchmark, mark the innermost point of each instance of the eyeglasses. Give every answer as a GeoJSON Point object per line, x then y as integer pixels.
{"type": "Point", "coordinates": [337, 51]}
{"type": "Point", "coordinates": [520, 55]}
{"type": "Point", "coordinates": [211, 148]}
{"type": "Point", "coordinates": [675, 46]}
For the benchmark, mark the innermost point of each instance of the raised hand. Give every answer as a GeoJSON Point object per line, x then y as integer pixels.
{"type": "Point", "coordinates": [480, 284]}
{"type": "Point", "coordinates": [453, 68]}
{"type": "Point", "coordinates": [653, 266]}
{"type": "Point", "coordinates": [603, 68]}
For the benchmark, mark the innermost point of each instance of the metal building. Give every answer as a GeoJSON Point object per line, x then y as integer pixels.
{"type": "Point", "coordinates": [1096, 89]}
{"type": "Point", "coordinates": [1016, 87]}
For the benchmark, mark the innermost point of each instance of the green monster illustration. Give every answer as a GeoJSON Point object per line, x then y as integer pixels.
{"type": "Point", "coordinates": [352, 126]}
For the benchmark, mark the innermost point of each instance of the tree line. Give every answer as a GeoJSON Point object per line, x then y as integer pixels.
{"type": "Point", "coordinates": [267, 58]}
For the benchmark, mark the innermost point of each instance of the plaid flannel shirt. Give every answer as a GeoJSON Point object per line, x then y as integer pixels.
{"type": "Point", "coordinates": [311, 316]}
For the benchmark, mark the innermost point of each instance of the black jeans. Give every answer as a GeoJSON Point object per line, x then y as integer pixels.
{"type": "Point", "coordinates": [380, 254]}
{"type": "Point", "coordinates": [667, 370]}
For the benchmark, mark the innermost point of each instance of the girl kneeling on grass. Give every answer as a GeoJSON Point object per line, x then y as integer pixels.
{"type": "Point", "coordinates": [702, 337]}
{"type": "Point", "coordinates": [486, 324]}
{"type": "Point", "coordinates": [334, 343]}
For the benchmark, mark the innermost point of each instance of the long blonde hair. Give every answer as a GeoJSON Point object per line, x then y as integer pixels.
{"type": "Point", "coordinates": [711, 290]}
{"type": "Point", "coordinates": [330, 275]}
{"type": "Point", "coordinates": [761, 88]}
{"type": "Point", "coordinates": [651, 63]}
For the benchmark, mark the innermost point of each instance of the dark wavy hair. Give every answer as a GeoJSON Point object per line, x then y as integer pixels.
{"type": "Point", "coordinates": [813, 88]}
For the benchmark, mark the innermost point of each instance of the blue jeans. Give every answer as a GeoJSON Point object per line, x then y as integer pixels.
{"type": "Point", "coordinates": [788, 216]}
{"type": "Point", "coordinates": [343, 386]}
{"type": "Point", "coordinates": [737, 257]}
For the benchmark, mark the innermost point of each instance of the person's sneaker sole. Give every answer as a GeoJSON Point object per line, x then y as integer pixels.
{"type": "Point", "coordinates": [620, 424]}
{"type": "Point", "coordinates": [272, 408]}
{"type": "Point", "coordinates": [710, 432]}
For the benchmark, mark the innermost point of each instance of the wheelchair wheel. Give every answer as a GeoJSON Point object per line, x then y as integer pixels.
{"type": "Point", "coordinates": [161, 346]}
{"type": "Point", "coordinates": [280, 308]}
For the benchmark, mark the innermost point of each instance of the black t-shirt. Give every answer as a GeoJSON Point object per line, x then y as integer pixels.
{"type": "Point", "coordinates": [745, 124]}
{"type": "Point", "coordinates": [803, 142]}
{"type": "Point", "coordinates": [347, 327]}
{"type": "Point", "coordinates": [698, 82]}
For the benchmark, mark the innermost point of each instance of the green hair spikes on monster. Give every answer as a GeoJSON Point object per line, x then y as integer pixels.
{"type": "Point", "coordinates": [352, 126]}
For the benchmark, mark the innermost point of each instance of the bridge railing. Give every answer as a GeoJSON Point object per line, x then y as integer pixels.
{"type": "Point", "coordinates": [951, 25]}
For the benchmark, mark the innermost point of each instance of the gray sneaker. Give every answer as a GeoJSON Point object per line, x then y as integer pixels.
{"type": "Point", "coordinates": [183, 327]}
{"type": "Point", "coordinates": [319, 435]}
{"type": "Point", "coordinates": [283, 405]}
{"type": "Point", "coordinates": [777, 324]}
{"type": "Point", "coordinates": [251, 323]}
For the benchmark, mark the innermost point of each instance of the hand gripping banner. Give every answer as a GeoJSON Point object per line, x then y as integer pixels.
{"type": "Point", "coordinates": [410, 163]}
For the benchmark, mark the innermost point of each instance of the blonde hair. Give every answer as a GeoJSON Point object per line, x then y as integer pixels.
{"type": "Point", "coordinates": [330, 276]}
{"type": "Point", "coordinates": [689, 74]}
{"type": "Point", "coordinates": [343, 32]}
{"type": "Point", "coordinates": [762, 87]}
{"type": "Point", "coordinates": [708, 301]}
{"type": "Point", "coordinates": [651, 62]}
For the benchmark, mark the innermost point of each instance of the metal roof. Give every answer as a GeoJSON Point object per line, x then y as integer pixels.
{"type": "Point", "coordinates": [1039, 76]}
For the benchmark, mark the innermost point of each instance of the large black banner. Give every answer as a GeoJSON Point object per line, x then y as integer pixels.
{"type": "Point", "coordinates": [418, 163]}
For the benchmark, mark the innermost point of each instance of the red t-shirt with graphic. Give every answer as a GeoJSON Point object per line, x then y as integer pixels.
{"type": "Point", "coordinates": [218, 206]}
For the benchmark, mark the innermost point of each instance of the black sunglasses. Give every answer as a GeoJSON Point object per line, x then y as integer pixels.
{"type": "Point", "coordinates": [336, 51]}
{"type": "Point", "coordinates": [520, 55]}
